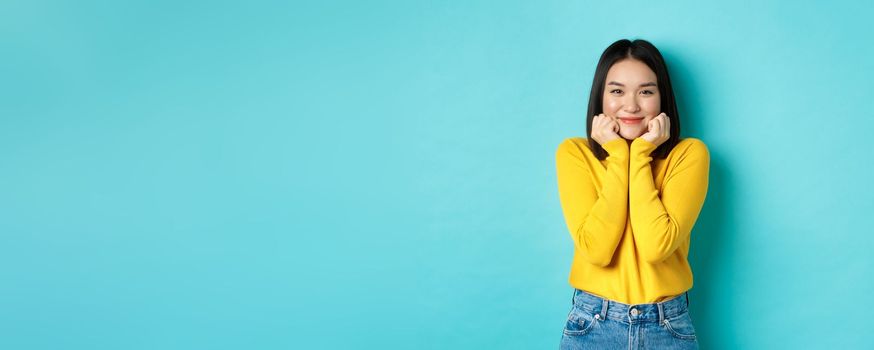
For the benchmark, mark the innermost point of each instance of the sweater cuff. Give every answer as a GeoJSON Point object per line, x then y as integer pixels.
{"type": "Point", "coordinates": [642, 146]}
{"type": "Point", "coordinates": [616, 146]}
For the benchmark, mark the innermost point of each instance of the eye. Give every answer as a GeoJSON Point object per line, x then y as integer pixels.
{"type": "Point", "coordinates": [647, 92]}
{"type": "Point", "coordinates": [615, 91]}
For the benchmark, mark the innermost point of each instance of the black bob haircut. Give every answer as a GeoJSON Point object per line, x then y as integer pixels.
{"type": "Point", "coordinates": [645, 52]}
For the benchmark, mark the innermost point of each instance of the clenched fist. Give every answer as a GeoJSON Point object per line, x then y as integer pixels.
{"type": "Point", "coordinates": [604, 129]}
{"type": "Point", "coordinates": [658, 130]}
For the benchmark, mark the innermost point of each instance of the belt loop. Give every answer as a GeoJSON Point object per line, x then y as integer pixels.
{"type": "Point", "coordinates": [661, 312]}
{"type": "Point", "coordinates": [573, 295]}
{"type": "Point", "coordinates": [604, 303]}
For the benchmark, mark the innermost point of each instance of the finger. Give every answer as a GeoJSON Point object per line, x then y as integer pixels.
{"type": "Point", "coordinates": [665, 130]}
{"type": "Point", "coordinates": [597, 124]}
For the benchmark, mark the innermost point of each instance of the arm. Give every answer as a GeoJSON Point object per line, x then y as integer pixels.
{"type": "Point", "coordinates": [660, 225]}
{"type": "Point", "coordinates": [595, 217]}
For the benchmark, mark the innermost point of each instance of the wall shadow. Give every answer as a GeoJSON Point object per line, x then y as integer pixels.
{"type": "Point", "coordinates": [711, 246]}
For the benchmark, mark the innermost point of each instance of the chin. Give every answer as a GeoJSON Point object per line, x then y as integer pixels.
{"type": "Point", "coordinates": [629, 136]}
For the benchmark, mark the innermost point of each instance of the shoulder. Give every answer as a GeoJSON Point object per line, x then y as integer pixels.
{"type": "Point", "coordinates": [691, 145]}
{"type": "Point", "coordinates": [573, 145]}
{"type": "Point", "coordinates": [690, 149]}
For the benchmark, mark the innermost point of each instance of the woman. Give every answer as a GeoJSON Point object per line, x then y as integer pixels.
{"type": "Point", "coordinates": [630, 194]}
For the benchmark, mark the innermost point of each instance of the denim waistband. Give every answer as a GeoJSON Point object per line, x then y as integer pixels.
{"type": "Point", "coordinates": [634, 313]}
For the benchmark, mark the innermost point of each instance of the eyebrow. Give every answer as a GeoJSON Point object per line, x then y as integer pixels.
{"type": "Point", "coordinates": [652, 83]}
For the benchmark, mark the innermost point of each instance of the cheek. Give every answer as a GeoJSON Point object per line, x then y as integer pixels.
{"type": "Point", "coordinates": [611, 106]}
{"type": "Point", "coordinates": [652, 108]}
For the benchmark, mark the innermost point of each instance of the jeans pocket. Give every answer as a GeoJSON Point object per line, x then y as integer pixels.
{"type": "Point", "coordinates": [680, 326]}
{"type": "Point", "coordinates": [580, 321]}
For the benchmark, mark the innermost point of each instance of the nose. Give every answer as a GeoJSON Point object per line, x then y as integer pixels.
{"type": "Point", "coordinates": [630, 105]}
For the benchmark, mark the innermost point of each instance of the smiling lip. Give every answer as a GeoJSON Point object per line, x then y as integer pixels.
{"type": "Point", "coordinates": [630, 120]}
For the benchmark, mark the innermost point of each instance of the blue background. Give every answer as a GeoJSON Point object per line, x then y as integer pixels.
{"type": "Point", "coordinates": [380, 175]}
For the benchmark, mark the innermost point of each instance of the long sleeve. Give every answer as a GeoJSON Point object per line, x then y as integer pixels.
{"type": "Point", "coordinates": [660, 223]}
{"type": "Point", "coordinates": [596, 217]}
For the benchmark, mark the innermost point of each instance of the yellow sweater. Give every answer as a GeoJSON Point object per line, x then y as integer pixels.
{"type": "Point", "coordinates": [630, 216]}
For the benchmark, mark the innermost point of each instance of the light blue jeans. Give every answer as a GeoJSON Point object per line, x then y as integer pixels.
{"type": "Point", "coordinates": [598, 323]}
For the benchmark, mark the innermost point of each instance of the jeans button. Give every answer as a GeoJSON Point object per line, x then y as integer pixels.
{"type": "Point", "coordinates": [634, 312]}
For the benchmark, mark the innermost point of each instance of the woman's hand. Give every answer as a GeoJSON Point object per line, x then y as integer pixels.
{"type": "Point", "coordinates": [604, 129]}
{"type": "Point", "coordinates": [658, 130]}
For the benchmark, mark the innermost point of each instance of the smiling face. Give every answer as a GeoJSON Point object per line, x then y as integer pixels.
{"type": "Point", "coordinates": [631, 94]}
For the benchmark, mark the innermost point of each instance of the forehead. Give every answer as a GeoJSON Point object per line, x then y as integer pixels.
{"type": "Point", "coordinates": [630, 71]}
